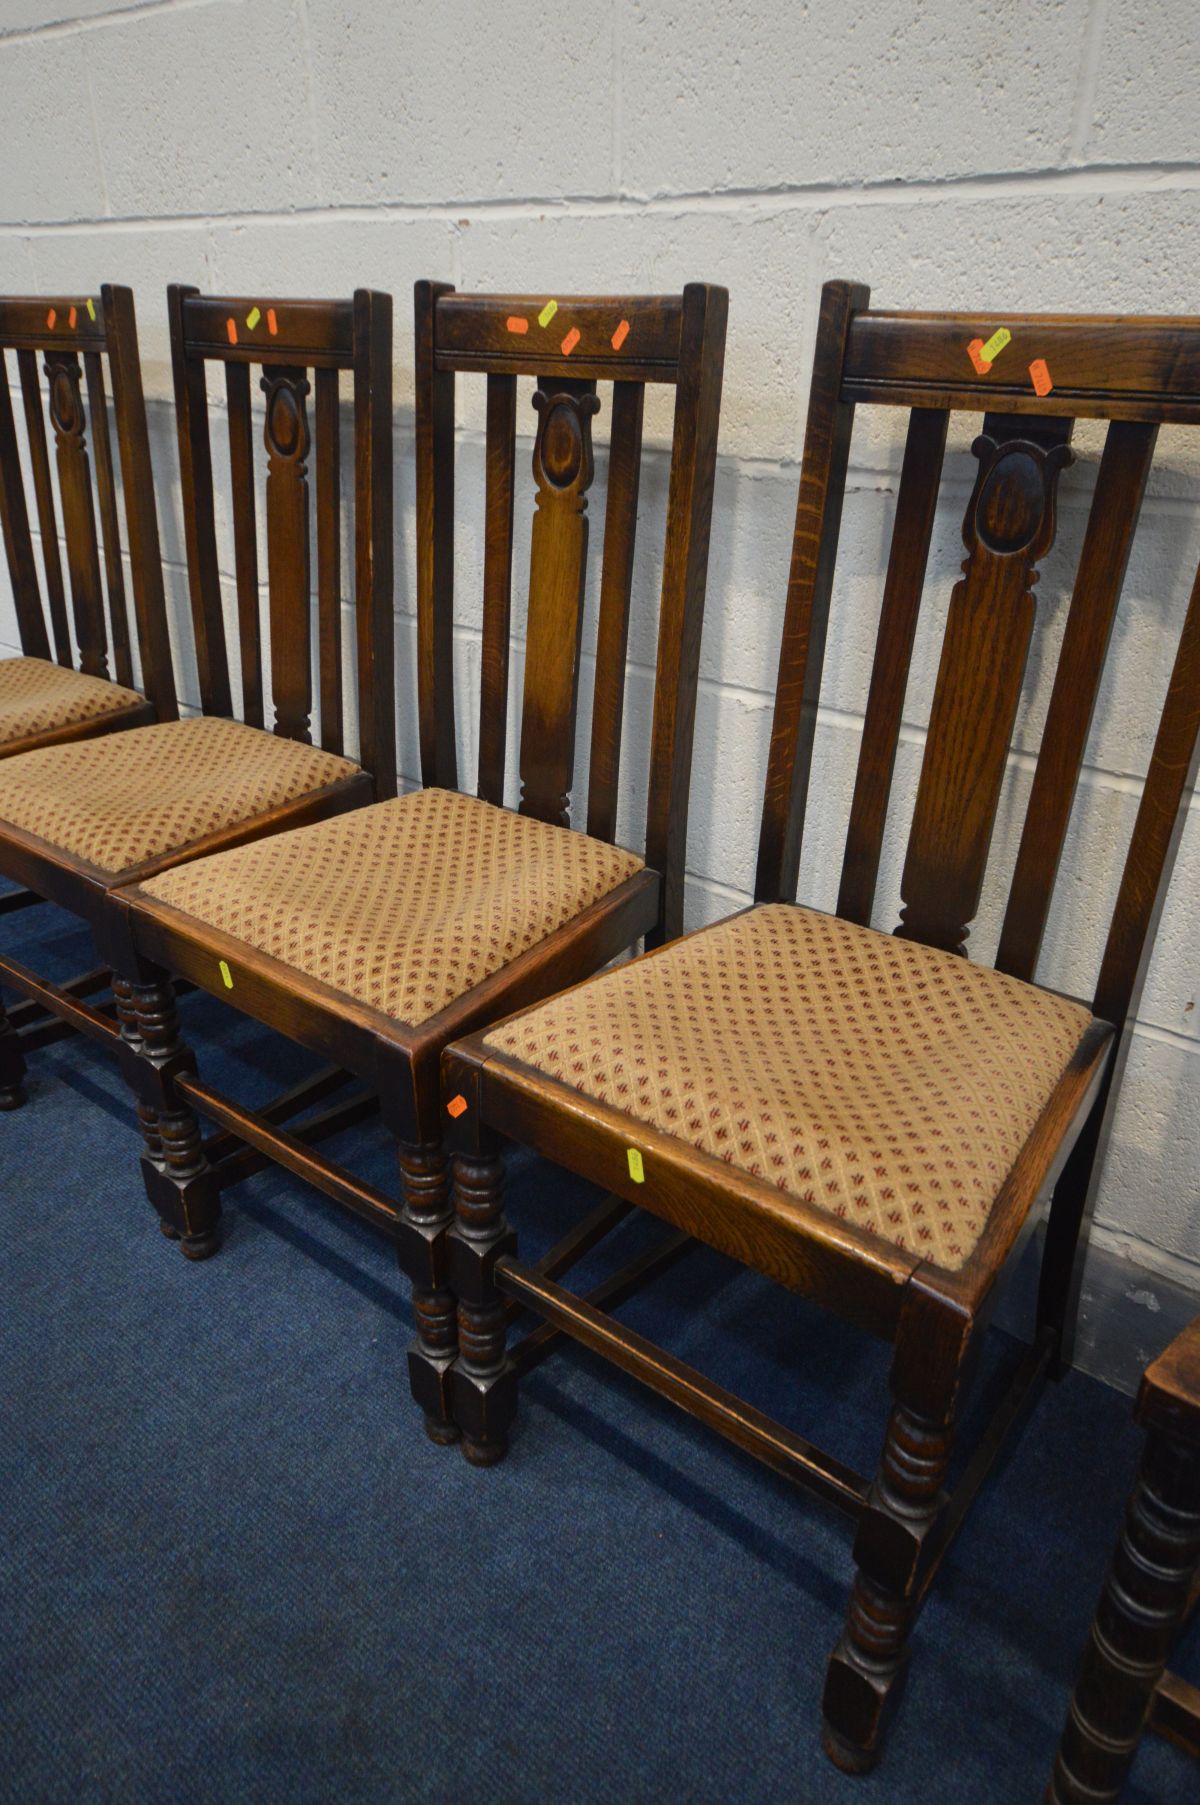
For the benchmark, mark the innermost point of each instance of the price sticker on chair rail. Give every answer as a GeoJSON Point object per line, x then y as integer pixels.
{"type": "Point", "coordinates": [636, 1169]}
{"type": "Point", "coordinates": [226, 975]}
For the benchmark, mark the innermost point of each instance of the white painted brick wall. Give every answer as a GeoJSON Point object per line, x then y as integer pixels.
{"type": "Point", "coordinates": [1011, 154]}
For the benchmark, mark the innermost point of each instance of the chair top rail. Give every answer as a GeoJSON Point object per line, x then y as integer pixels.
{"type": "Point", "coordinates": [266, 330]}
{"type": "Point", "coordinates": [1096, 366]}
{"type": "Point", "coordinates": [593, 338]}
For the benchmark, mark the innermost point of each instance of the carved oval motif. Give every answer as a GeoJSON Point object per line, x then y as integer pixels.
{"type": "Point", "coordinates": [65, 411]}
{"type": "Point", "coordinates": [286, 427]}
{"type": "Point", "coordinates": [562, 445]}
{"type": "Point", "coordinates": [1011, 501]}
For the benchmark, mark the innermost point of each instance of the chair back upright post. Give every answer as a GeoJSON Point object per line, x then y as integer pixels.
{"type": "Point", "coordinates": [568, 346]}
{"type": "Point", "coordinates": [74, 336]}
{"type": "Point", "coordinates": [288, 340]}
{"type": "Point", "coordinates": [1134, 373]}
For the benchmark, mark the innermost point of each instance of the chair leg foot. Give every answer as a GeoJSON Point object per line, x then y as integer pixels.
{"type": "Point", "coordinates": [441, 1433]}
{"type": "Point", "coordinates": [846, 1755]}
{"type": "Point", "coordinates": [12, 1096]}
{"type": "Point", "coordinates": [168, 1229]}
{"type": "Point", "coordinates": [200, 1246]}
{"type": "Point", "coordinates": [483, 1453]}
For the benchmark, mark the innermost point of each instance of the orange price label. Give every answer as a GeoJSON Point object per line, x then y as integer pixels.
{"type": "Point", "coordinates": [272, 328]}
{"type": "Point", "coordinates": [231, 330]}
{"type": "Point", "coordinates": [1039, 375]}
{"type": "Point", "coordinates": [457, 1106]}
{"type": "Point", "coordinates": [620, 335]}
{"type": "Point", "coordinates": [975, 353]}
{"type": "Point", "coordinates": [516, 324]}
{"type": "Point", "coordinates": [570, 342]}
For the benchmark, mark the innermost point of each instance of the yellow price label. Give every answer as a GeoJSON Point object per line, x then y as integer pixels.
{"type": "Point", "coordinates": [636, 1170]}
{"type": "Point", "coordinates": [226, 975]}
{"type": "Point", "coordinates": [548, 312]}
{"type": "Point", "coordinates": [253, 317]}
{"type": "Point", "coordinates": [1001, 337]}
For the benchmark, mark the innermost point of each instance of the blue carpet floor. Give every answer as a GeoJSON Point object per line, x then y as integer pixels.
{"type": "Point", "coordinates": [233, 1568]}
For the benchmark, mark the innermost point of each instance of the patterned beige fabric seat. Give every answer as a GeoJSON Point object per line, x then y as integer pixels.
{"type": "Point", "coordinates": [38, 697]}
{"type": "Point", "coordinates": [404, 905]}
{"type": "Point", "coordinates": [140, 795]}
{"type": "Point", "coordinates": [883, 1081]}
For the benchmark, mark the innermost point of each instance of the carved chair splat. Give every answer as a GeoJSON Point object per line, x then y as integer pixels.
{"type": "Point", "coordinates": [77, 822]}
{"type": "Point", "coordinates": [807, 1094]}
{"type": "Point", "coordinates": [428, 915]}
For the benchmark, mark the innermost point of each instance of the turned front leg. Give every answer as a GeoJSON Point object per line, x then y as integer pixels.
{"type": "Point", "coordinates": [867, 1670]}
{"type": "Point", "coordinates": [147, 1115]}
{"type": "Point", "coordinates": [426, 1215]}
{"type": "Point", "coordinates": [179, 1181]}
{"type": "Point", "coordinates": [482, 1382]}
{"type": "Point", "coordinates": [1141, 1609]}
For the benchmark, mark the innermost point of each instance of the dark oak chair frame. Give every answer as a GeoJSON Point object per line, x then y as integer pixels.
{"type": "Point", "coordinates": [288, 338]}
{"type": "Point", "coordinates": [1151, 1588]}
{"type": "Point", "coordinates": [1135, 373]}
{"type": "Point", "coordinates": [676, 340]}
{"type": "Point", "coordinates": [74, 336]}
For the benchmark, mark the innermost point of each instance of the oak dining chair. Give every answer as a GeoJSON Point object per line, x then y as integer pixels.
{"type": "Point", "coordinates": [78, 821]}
{"type": "Point", "coordinates": [864, 1117]}
{"type": "Point", "coordinates": [377, 939]}
{"type": "Point", "coordinates": [76, 674]}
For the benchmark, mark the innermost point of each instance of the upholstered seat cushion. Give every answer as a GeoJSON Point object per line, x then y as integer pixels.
{"type": "Point", "coordinates": [404, 905]}
{"type": "Point", "coordinates": [134, 796]}
{"type": "Point", "coordinates": [39, 697]}
{"type": "Point", "coordinates": [885, 1082]}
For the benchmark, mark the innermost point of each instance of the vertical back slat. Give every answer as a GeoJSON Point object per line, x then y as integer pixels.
{"type": "Point", "coordinates": [287, 439]}
{"type": "Point", "coordinates": [18, 541]}
{"type": "Point", "coordinates": [1120, 486]}
{"type": "Point", "coordinates": [141, 515]}
{"type": "Point", "coordinates": [563, 468]}
{"type": "Point", "coordinates": [35, 426]}
{"type": "Point", "coordinates": [435, 547]}
{"type": "Point", "coordinates": [195, 465]}
{"type": "Point", "coordinates": [916, 505]}
{"type": "Point", "coordinates": [245, 538]}
{"type": "Point", "coordinates": [374, 601]}
{"type": "Point", "coordinates": [497, 584]}
{"type": "Point", "coordinates": [685, 579]}
{"type": "Point", "coordinates": [1160, 818]}
{"type": "Point", "coordinates": [810, 586]}
{"type": "Point", "coordinates": [616, 583]}
{"type": "Point", "coordinates": [329, 558]}
{"type": "Point", "coordinates": [110, 529]}
{"type": "Point", "coordinates": [78, 509]}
